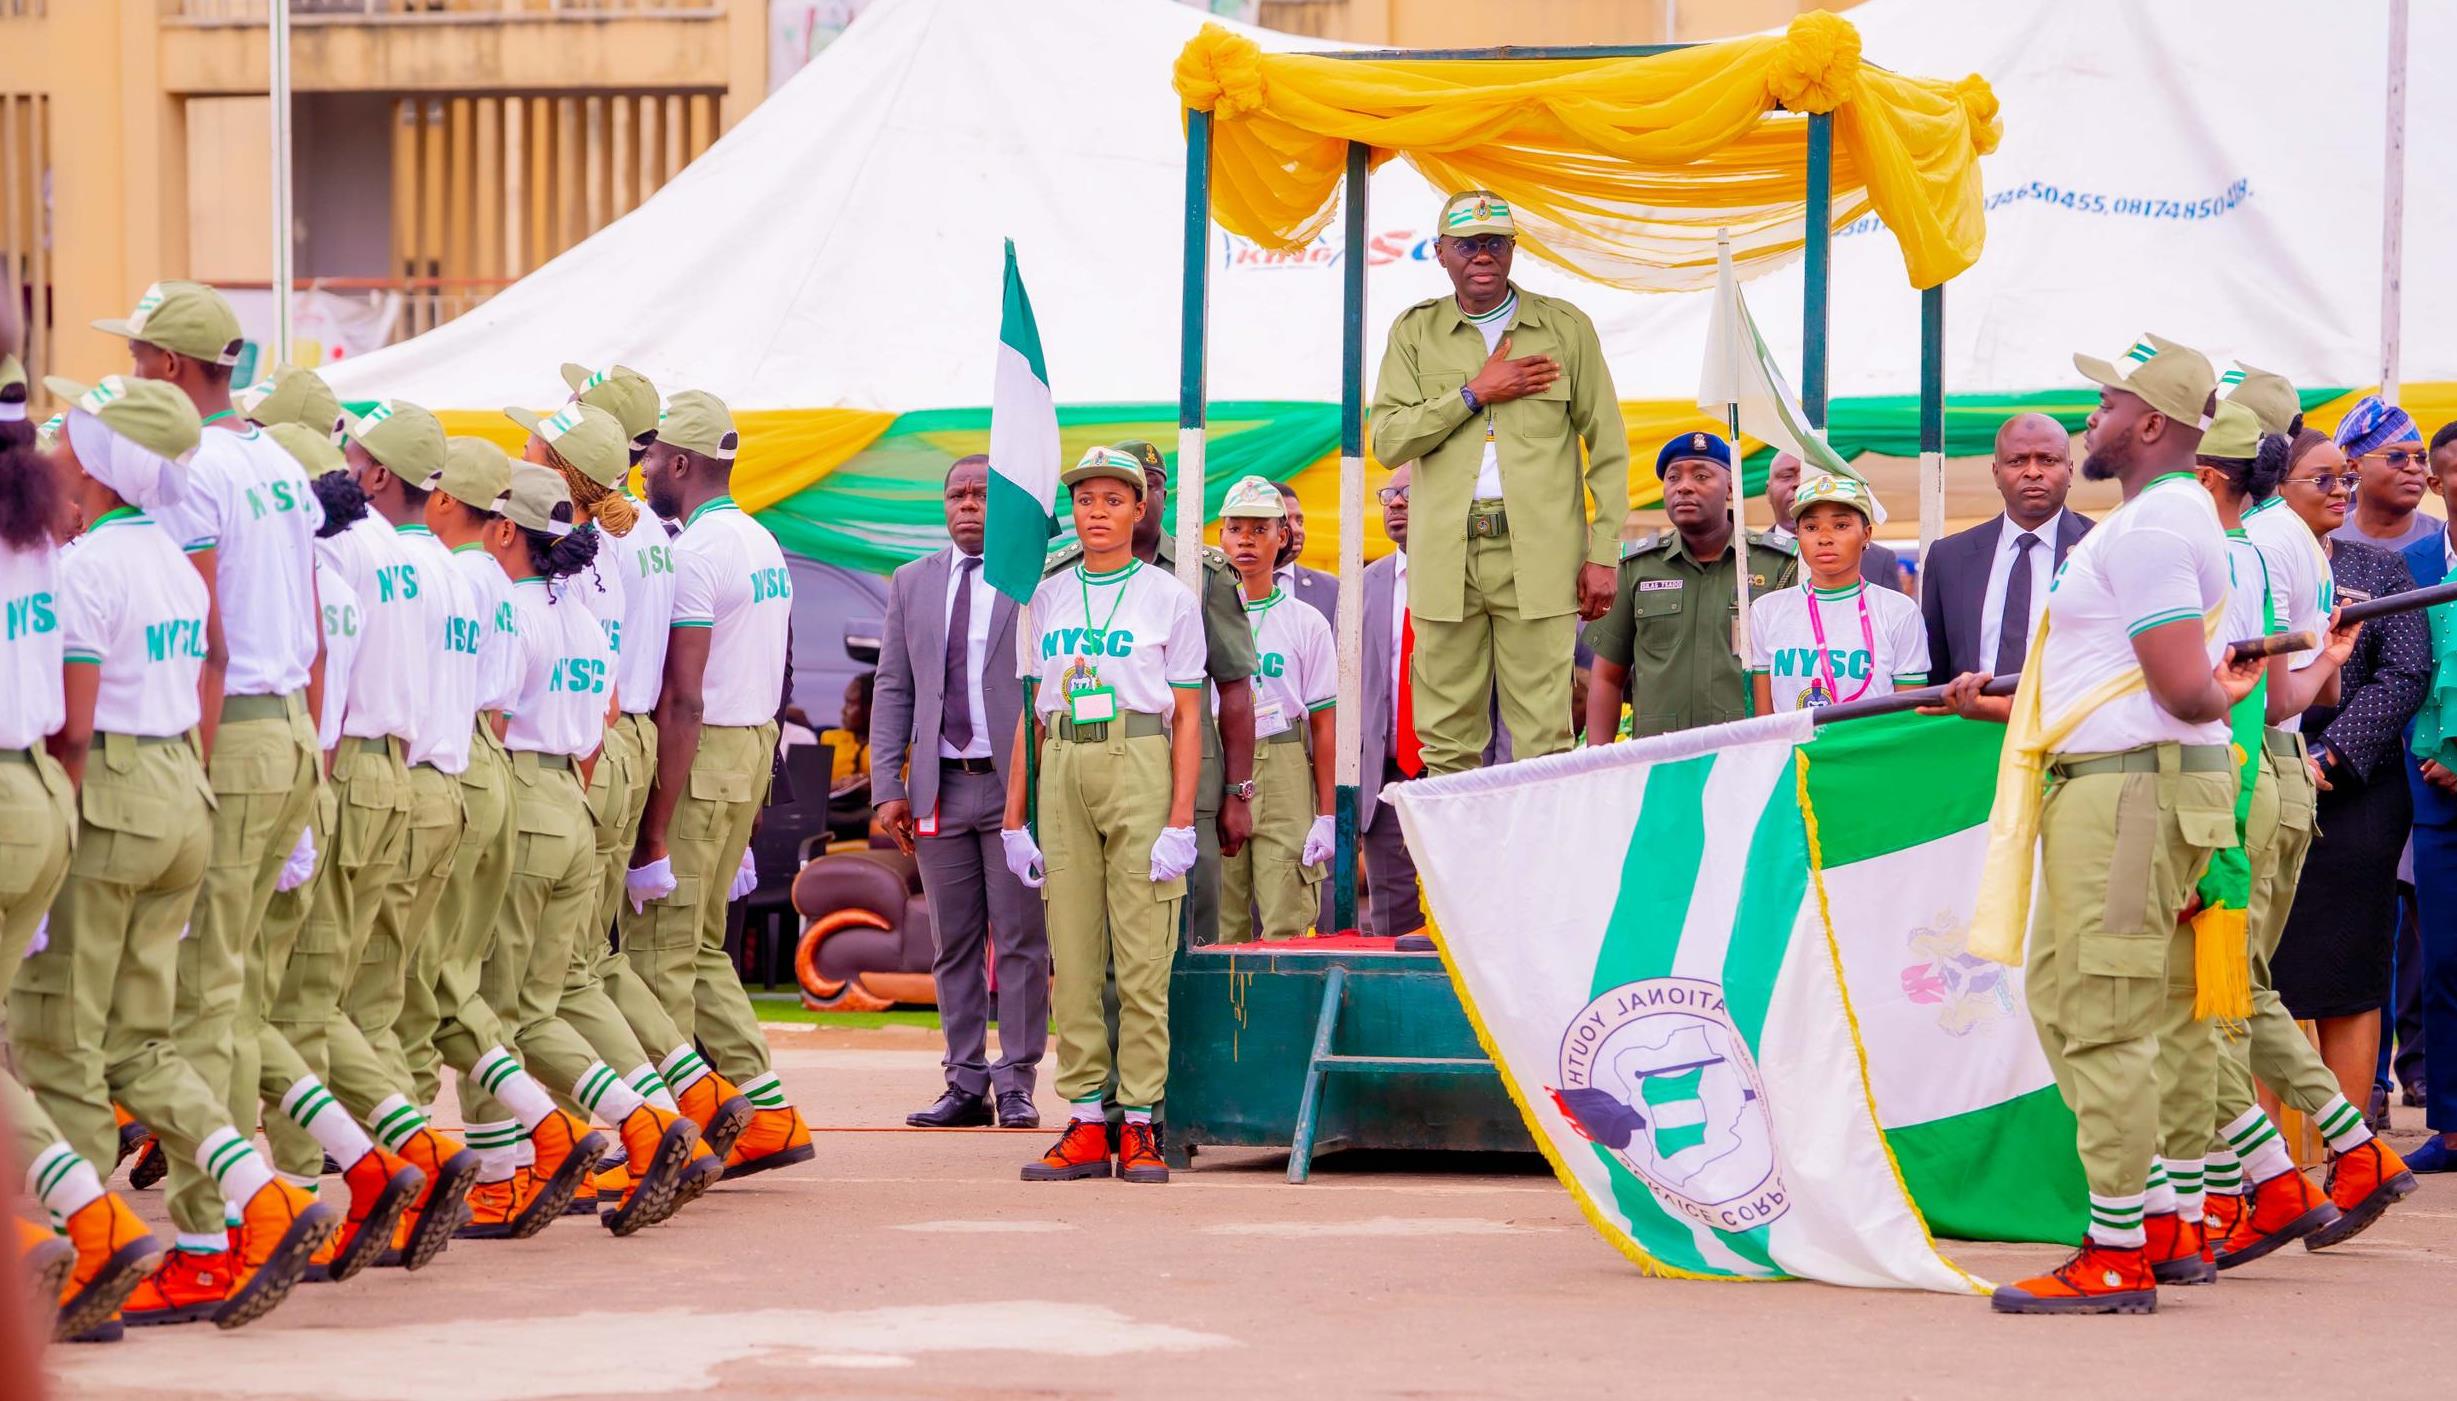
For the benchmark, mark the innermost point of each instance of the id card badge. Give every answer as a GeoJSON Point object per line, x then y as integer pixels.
{"type": "Point", "coordinates": [1268, 721]}
{"type": "Point", "coordinates": [928, 826]}
{"type": "Point", "coordinates": [1093, 705]}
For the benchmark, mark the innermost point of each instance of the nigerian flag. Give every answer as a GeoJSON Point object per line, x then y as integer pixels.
{"type": "Point", "coordinates": [1021, 519]}
{"type": "Point", "coordinates": [1733, 1083]}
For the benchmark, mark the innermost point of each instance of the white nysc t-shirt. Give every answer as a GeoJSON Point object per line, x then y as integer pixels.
{"type": "Point", "coordinates": [341, 625]}
{"type": "Point", "coordinates": [645, 561]}
{"type": "Point", "coordinates": [2160, 558]}
{"type": "Point", "coordinates": [565, 674]}
{"type": "Point", "coordinates": [1852, 661]}
{"type": "Point", "coordinates": [249, 501]}
{"type": "Point", "coordinates": [31, 705]}
{"type": "Point", "coordinates": [1134, 632]}
{"type": "Point", "coordinates": [130, 604]}
{"type": "Point", "coordinates": [451, 704]}
{"type": "Point", "coordinates": [398, 622]}
{"type": "Point", "coordinates": [730, 577]}
{"type": "Point", "coordinates": [1296, 671]}
{"type": "Point", "coordinates": [499, 658]}
{"type": "Point", "coordinates": [2300, 570]}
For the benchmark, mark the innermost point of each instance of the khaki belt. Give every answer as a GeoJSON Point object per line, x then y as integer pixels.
{"type": "Point", "coordinates": [1291, 735]}
{"type": "Point", "coordinates": [16, 756]}
{"type": "Point", "coordinates": [255, 707]}
{"type": "Point", "coordinates": [536, 759]}
{"type": "Point", "coordinates": [1487, 520]}
{"type": "Point", "coordinates": [368, 744]}
{"type": "Point", "coordinates": [2283, 744]}
{"type": "Point", "coordinates": [2192, 758]}
{"type": "Point", "coordinates": [1138, 724]}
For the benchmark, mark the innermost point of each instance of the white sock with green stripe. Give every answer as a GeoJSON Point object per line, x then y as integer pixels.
{"type": "Point", "coordinates": [513, 1088]}
{"type": "Point", "coordinates": [312, 1107]}
{"type": "Point", "coordinates": [396, 1122]}
{"type": "Point", "coordinates": [2158, 1199]}
{"type": "Point", "coordinates": [63, 1182]}
{"type": "Point", "coordinates": [2116, 1221]}
{"type": "Point", "coordinates": [2225, 1173]}
{"type": "Point", "coordinates": [199, 1243]}
{"type": "Point", "coordinates": [2256, 1142]}
{"type": "Point", "coordinates": [234, 1165]}
{"type": "Point", "coordinates": [603, 1093]}
{"type": "Point", "coordinates": [765, 1091]}
{"type": "Point", "coordinates": [682, 1068]}
{"type": "Point", "coordinates": [2342, 1124]}
{"type": "Point", "coordinates": [1085, 1111]}
{"type": "Point", "coordinates": [649, 1085]}
{"type": "Point", "coordinates": [497, 1143]}
{"type": "Point", "coordinates": [2186, 1176]}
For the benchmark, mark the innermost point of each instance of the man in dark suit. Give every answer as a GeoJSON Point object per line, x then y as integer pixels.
{"type": "Point", "coordinates": [1393, 905]}
{"type": "Point", "coordinates": [1982, 590]}
{"type": "Point", "coordinates": [948, 696]}
{"type": "Point", "coordinates": [1878, 565]}
{"type": "Point", "coordinates": [1310, 586]}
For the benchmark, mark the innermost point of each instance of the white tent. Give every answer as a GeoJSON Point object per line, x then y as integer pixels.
{"type": "Point", "coordinates": [2210, 168]}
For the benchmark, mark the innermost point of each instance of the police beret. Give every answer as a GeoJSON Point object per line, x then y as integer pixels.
{"type": "Point", "coordinates": [1693, 447]}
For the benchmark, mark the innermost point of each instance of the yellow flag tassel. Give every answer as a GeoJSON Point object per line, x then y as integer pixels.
{"type": "Point", "coordinates": [2222, 965]}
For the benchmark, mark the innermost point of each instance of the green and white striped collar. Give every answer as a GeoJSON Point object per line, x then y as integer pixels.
{"type": "Point", "coordinates": [721, 503]}
{"type": "Point", "coordinates": [1500, 314]}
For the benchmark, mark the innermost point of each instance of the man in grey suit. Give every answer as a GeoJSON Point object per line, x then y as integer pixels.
{"type": "Point", "coordinates": [1394, 907]}
{"type": "Point", "coordinates": [947, 696]}
{"type": "Point", "coordinates": [1309, 586]}
{"type": "Point", "coordinates": [1982, 590]}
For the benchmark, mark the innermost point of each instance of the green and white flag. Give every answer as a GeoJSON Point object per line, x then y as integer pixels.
{"type": "Point", "coordinates": [1641, 935]}
{"type": "Point", "coordinates": [1021, 519]}
{"type": "Point", "coordinates": [1741, 375]}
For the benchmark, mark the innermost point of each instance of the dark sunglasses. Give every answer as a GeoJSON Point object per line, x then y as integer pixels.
{"type": "Point", "coordinates": [1392, 495]}
{"type": "Point", "coordinates": [1471, 245]}
{"type": "Point", "coordinates": [2400, 457]}
{"type": "Point", "coordinates": [2321, 482]}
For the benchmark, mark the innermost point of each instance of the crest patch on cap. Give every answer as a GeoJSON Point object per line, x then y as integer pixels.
{"type": "Point", "coordinates": [1697, 442]}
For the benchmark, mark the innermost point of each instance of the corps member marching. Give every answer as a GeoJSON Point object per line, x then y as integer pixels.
{"type": "Point", "coordinates": [1114, 663]}
{"type": "Point", "coordinates": [91, 1012]}
{"type": "Point", "coordinates": [1296, 682]}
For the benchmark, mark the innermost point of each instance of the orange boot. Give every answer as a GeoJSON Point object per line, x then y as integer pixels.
{"type": "Point", "coordinates": [2282, 1209]}
{"type": "Point", "coordinates": [382, 1189]}
{"type": "Point", "coordinates": [115, 1254]}
{"type": "Point", "coordinates": [493, 1209]}
{"type": "Point", "coordinates": [776, 1138]}
{"type": "Point", "coordinates": [1082, 1151]}
{"type": "Point", "coordinates": [132, 1135]}
{"type": "Point", "coordinates": [657, 1147]}
{"type": "Point", "coordinates": [567, 1152]}
{"type": "Point", "coordinates": [705, 1170]}
{"type": "Point", "coordinates": [2364, 1181]}
{"type": "Point", "coordinates": [2219, 1213]}
{"type": "Point", "coordinates": [2178, 1250]}
{"type": "Point", "coordinates": [189, 1286]}
{"type": "Point", "coordinates": [449, 1170]}
{"type": "Point", "coordinates": [49, 1260]}
{"type": "Point", "coordinates": [721, 1111]}
{"type": "Point", "coordinates": [2098, 1279]}
{"type": "Point", "coordinates": [280, 1228]}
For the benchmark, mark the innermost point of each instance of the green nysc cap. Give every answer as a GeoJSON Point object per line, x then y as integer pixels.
{"type": "Point", "coordinates": [313, 450]}
{"type": "Point", "coordinates": [583, 435]}
{"type": "Point", "coordinates": [2174, 379]}
{"type": "Point", "coordinates": [291, 395]}
{"type": "Point", "coordinates": [2234, 433]}
{"type": "Point", "coordinates": [184, 318]}
{"type": "Point", "coordinates": [1477, 212]}
{"type": "Point", "coordinates": [622, 392]}
{"type": "Point", "coordinates": [403, 437]}
{"type": "Point", "coordinates": [698, 421]}
{"type": "Point", "coordinates": [1253, 496]}
{"type": "Point", "coordinates": [475, 473]}
{"type": "Point", "coordinates": [147, 412]}
{"type": "Point", "coordinates": [537, 499]}
{"type": "Point", "coordinates": [1105, 464]}
{"type": "Point", "coordinates": [2271, 396]}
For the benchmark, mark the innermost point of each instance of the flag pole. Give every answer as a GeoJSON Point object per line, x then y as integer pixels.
{"type": "Point", "coordinates": [1740, 518]}
{"type": "Point", "coordinates": [278, 74]}
{"type": "Point", "coordinates": [2393, 206]}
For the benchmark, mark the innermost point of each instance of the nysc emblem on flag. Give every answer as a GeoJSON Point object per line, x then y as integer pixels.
{"type": "Point", "coordinates": [1655, 1072]}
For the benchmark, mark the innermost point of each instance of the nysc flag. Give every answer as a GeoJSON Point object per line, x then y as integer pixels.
{"type": "Point", "coordinates": [1640, 934]}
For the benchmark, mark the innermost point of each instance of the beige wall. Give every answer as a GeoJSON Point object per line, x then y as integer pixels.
{"type": "Point", "coordinates": [230, 189]}
{"type": "Point", "coordinates": [1460, 23]}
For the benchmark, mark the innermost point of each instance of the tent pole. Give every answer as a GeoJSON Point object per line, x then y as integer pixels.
{"type": "Point", "coordinates": [1348, 719]}
{"type": "Point", "coordinates": [1932, 417]}
{"type": "Point", "coordinates": [1193, 331]}
{"type": "Point", "coordinates": [1818, 269]}
{"type": "Point", "coordinates": [2393, 206]}
{"type": "Point", "coordinates": [278, 90]}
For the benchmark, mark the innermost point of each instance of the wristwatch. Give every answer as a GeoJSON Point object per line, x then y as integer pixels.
{"type": "Point", "coordinates": [1243, 790]}
{"type": "Point", "coordinates": [1469, 397]}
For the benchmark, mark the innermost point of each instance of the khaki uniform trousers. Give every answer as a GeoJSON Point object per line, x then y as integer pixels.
{"type": "Point", "coordinates": [1102, 804]}
{"type": "Point", "coordinates": [2270, 1047]}
{"type": "Point", "coordinates": [627, 768]}
{"type": "Point", "coordinates": [2190, 1051]}
{"type": "Point", "coordinates": [38, 823]}
{"type": "Point", "coordinates": [278, 1064]}
{"type": "Point", "coordinates": [92, 1012]}
{"type": "Point", "coordinates": [405, 916]}
{"type": "Point", "coordinates": [552, 893]}
{"type": "Point", "coordinates": [2120, 853]}
{"type": "Point", "coordinates": [370, 834]}
{"type": "Point", "coordinates": [587, 1003]}
{"type": "Point", "coordinates": [677, 945]}
{"type": "Point", "coordinates": [1458, 666]}
{"type": "Point", "coordinates": [264, 770]}
{"type": "Point", "coordinates": [445, 1019]}
{"type": "Point", "coordinates": [1266, 875]}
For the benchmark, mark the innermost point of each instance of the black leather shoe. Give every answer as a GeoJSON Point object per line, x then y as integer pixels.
{"type": "Point", "coordinates": [1412, 943]}
{"type": "Point", "coordinates": [954, 1110]}
{"type": "Point", "coordinates": [1016, 1111]}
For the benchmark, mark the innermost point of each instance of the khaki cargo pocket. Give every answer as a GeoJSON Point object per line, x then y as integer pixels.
{"type": "Point", "coordinates": [674, 922]}
{"type": "Point", "coordinates": [2206, 829]}
{"type": "Point", "coordinates": [127, 845]}
{"type": "Point", "coordinates": [2295, 806]}
{"type": "Point", "coordinates": [545, 846]}
{"type": "Point", "coordinates": [2131, 867]}
{"type": "Point", "coordinates": [711, 795]}
{"type": "Point", "coordinates": [20, 863]}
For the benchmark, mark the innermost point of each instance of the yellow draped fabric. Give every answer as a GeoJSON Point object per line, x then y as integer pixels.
{"type": "Point", "coordinates": [783, 450]}
{"type": "Point", "coordinates": [1619, 169]}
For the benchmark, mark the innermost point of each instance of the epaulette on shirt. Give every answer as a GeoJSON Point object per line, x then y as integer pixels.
{"type": "Point", "coordinates": [1786, 544]}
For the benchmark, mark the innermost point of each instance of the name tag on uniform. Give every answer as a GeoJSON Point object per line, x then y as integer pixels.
{"type": "Point", "coordinates": [1657, 585]}
{"type": "Point", "coordinates": [1094, 705]}
{"type": "Point", "coordinates": [1268, 721]}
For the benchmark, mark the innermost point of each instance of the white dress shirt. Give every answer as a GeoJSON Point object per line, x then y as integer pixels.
{"type": "Point", "coordinates": [976, 654]}
{"type": "Point", "coordinates": [2000, 572]}
{"type": "Point", "coordinates": [1399, 622]}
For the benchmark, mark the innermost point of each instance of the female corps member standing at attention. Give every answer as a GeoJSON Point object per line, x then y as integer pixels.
{"type": "Point", "coordinates": [1833, 638]}
{"type": "Point", "coordinates": [90, 1014]}
{"type": "Point", "coordinates": [1115, 666]}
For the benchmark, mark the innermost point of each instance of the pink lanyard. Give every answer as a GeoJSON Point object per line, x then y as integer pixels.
{"type": "Point", "coordinates": [1825, 663]}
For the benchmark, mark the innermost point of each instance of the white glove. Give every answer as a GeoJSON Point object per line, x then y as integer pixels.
{"type": "Point", "coordinates": [42, 937]}
{"type": "Point", "coordinates": [301, 867]}
{"type": "Point", "coordinates": [746, 877]}
{"type": "Point", "coordinates": [1023, 856]}
{"type": "Point", "coordinates": [1321, 841]}
{"type": "Point", "coordinates": [646, 885]}
{"type": "Point", "coordinates": [1173, 853]}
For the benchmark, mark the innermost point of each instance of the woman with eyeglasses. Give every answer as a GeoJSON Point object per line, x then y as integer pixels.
{"type": "Point", "coordinates": [2388, 475]}
{"type": "Point", "coordinates": [2332, 963]}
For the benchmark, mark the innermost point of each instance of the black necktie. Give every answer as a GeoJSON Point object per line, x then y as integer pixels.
{"type": "Point", "coordinates": [955, 720]}
{"type": "Point", "coordinates": [2013, 629]}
